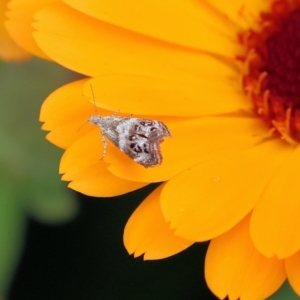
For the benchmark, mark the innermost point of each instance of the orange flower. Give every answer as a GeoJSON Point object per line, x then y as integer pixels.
{"type": "Point", "coordinates": [225, 80]}
{"type": "Point", "coordinates": [9, 50]}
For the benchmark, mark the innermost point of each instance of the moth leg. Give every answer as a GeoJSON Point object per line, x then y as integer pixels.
{"type": "Point", "coordinates": [104, 145]}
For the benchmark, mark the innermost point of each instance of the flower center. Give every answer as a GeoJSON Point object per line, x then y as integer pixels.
{"type": "Point", "coordinates": [272, 69]}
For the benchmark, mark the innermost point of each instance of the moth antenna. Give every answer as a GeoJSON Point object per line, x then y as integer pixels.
{"type": "Point", "coordinates": [96, 112]}
{"type": "Point", "coordinates": [93, 94]}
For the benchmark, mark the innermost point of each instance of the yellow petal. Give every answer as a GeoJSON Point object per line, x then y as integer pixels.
{"type": "Point", "coordinates": [97, 181]}
{"type": "Point", "coordinates": [187, 23]}
{"type": "Point", "coordinates": [19, 23]}
{"type": "Point", "coordinates": [192, 141]}
{"type": "Point", "coordinates": [90, 46]}
{"type": "Point", "coordinates": [65, 113]}
{"type": "Point", "coordinates": [235, 268]}
{"type": "Point", "coordinates": [147, 232]}
{"type": "Point", "coordinates": [275, 221]}
{"type": "Point", "coordinates": [165, 97]}
{"type": "Point", "coordinates": [9, 50]}
{"type": "Point", "coordinates": [292, 266]}
{"type": "Point", "coordinates": [86, 151]}
{"type": "Point", "coordinates": [65, 105]}
{"type": "Point", "coordinates": [65, 135]}
{"type": "Point", "coordinates": [245, 13]}
{"type": "Point", "coordinates": [208, 199]}
{"type": "Point", "coordinates": [82, 165]}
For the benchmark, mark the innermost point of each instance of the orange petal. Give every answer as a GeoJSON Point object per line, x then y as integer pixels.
{"type": "Point", "coordinates": [208, 199]}
{"type": "Point", "coordinates": [187, 23]}
{"type": "Point", "coordinates": [90, 46]}
{"type": "Point", "coordinates": [245, 13]}
{"type": "Point", "coordinates": [156, 96]}
{"type": "Point", "coordinates": [235, 268]}
{"type": "Point", "coordinates": [99, 182]}
{"type": "Point", "coordinates": [192, 141]}
{"type": "Point", "coordinates": [88, 174]}
{"type": "Point", "coordinates": [65, 113]}
{"type": "Point", "coordinates": [65, 105]}
{"type": "Point", "coordinates": [275, 221]}
{"type": "Point", "coordinates": [85, 152]}
{"type": "Point", "coordinates": [65, 135]}
{"type": "Point", "coordinates": [19, 23]}
{"type": "Point", "coordinates": [9, 50]}
{"type": "Point", "coordinates": [147, 232]}
{"type": "Point", "coordinates": [292, 266]}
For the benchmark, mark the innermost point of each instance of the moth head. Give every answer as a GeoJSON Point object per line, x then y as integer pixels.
{"type": "Point", "coordinates": [95, 120]}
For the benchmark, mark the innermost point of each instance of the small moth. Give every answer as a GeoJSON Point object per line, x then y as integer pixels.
{"type": "Point", "coordinates": [138, 138]}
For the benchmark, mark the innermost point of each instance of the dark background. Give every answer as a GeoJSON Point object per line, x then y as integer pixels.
{"type": "Point", "coordinates": [85, 260]}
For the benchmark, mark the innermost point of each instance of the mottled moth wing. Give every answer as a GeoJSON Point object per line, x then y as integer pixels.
{"type": "Point", "coordinates": [138, 138]}
{"type": "Point", "coordinates": [143, 140]}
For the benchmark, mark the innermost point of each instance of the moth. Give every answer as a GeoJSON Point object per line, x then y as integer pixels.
{"type": "Point", "coordinates": [139, 139]}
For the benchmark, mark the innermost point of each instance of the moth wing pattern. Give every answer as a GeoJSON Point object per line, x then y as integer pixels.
{"type": "Point", "coordinates": [143, 140]}
{"type": "Point", "coordinates": [139, 139]}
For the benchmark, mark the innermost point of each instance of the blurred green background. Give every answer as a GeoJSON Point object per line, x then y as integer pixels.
{"type": "Point", "coordinates": [56, 244]}
{"type": "Point", "coordinates": [29, 185]}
